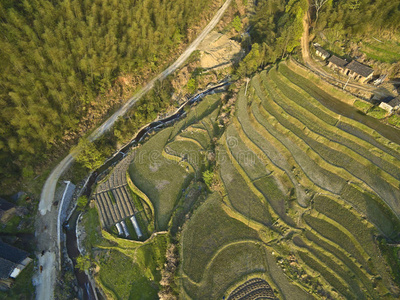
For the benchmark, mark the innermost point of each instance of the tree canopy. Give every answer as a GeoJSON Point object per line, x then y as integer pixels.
{"type": "Point", "coordinates": [56, 57]}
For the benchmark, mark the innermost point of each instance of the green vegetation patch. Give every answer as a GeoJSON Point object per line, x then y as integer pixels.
{"type": "Point", "coordinates": [337, 236]}
{"type": "Point", "coordinates": [388, 51]}
{"type": "Point", "coordinates": [363, 106]}
{"type": "Point", "coordinates": [394, 120]}
{"type": "Point", "coordinates": [159, 178]}
{"type": "Point", "coordinates": [240, 195]}
{"type": "Point", "coordinates": [231, 264]}
{"type": "Point", "coordinates": [377, 112]}
{"type": "Point", "coordinates": [137, 276]}
{"type": "Point", "coordinates": [207, 231]}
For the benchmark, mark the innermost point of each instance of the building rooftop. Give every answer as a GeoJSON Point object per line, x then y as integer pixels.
{"type": "Point", "coordinates": [337, 61]}
{"type": "Point", "coordinates": [6, 268]}
{"type": "Point", "coordinates": [360, 69]}
{"type": "Point", "coordinates": [5, 205]}
{"type": "Point", "coordinates": [394, 102]}
{"type": "Point", "coordinates": [322, 51]}
{"type": "Point", "coordinates": [11, 253]}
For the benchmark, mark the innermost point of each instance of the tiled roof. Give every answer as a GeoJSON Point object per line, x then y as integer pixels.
{"type": "Point", "coordinates": [6, 267]}
{"type": "Point", "coordinates": [337, 61]}
{"type": "Point", "coordinates": [11, 253]}
{"type": "Point", "coordinates": [359, 68]}
{"type": "Point", "coordinates": [5, 205]}
{"type": "Point", "coordinates": [394, 102]}
{"type": "Point", "coordinates": [322, 51]}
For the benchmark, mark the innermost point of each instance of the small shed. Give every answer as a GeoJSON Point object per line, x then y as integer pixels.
{"type": "Point", "coordinates": [391, 105]}
{"type": "Point", "coordinates": [359, 71]}
{"type": "Point", "coordinates": [322, 52]}
{"type": "Point", "coordinates": [337, 63]}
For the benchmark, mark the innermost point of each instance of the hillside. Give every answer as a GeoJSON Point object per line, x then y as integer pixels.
{"type": "Point", "coordinates": [64, 65]}
{"type": "Point", "coordinates": [304, 192]}
{"type": "Point", "coordinates": [301, 202]}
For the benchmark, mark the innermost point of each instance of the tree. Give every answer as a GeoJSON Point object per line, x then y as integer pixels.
{"type": "Point", "coordinates": [90, 157]}
{"type": "Point", "coordinates": [83, 263]}
{"type": "Point", "coordinates": [237, 24]}
{"type": "Point", "coordinates": [208, 177]}
{"type": "Point", "coordinates": [318, 5]}
{"type": "Point", "coordinates": [82, 202]}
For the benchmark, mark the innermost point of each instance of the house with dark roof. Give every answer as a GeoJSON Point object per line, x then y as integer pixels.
{"type": "Point", "coordinates": [354, 69]}
{"type": "Point", "coordinates": [7, 210]}
{"type": "Point", "coordinates": [12, 262]}
{"type": "Point", "coordinates": [337, 63]}
{"type": "Point", "coordinates": [391, 105]}
{"type": "Point", "coordinates": [321, 52]}
{"type": "Point", "coordinates": [358, 71]}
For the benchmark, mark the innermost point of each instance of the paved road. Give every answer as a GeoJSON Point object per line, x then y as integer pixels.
{"type": "Point", "coordinates": [46, 229]}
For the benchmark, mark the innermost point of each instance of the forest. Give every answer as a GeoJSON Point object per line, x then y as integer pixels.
{"type": "Point", "coordinates": [57, 57]}
{"type": "Point", "coordinates": [358, 17]}
{"type": "Point", "coordinates": [275, 29]}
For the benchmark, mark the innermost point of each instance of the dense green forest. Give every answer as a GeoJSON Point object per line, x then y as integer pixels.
{"type": "Point", "coordinates": [275, 29]}
{"type": "Point", "coordinates": [56, 57]}
{"type": "Point", "coordinates": [360, 17]}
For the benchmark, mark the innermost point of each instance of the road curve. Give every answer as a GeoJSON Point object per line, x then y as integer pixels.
{"type": "Point", "coordinates": [46, 229]}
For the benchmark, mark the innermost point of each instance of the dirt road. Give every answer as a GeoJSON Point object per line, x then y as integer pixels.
{"type": "Point", "coordinates": [46, 229]}
{"type": "Point", "coordinates": [311, 64]}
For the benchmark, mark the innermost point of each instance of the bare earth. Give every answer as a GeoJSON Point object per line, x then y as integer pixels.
{"type": "Point", "coordinates": [218, 50]}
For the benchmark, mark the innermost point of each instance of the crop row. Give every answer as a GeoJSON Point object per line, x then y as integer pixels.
{"type": "Point", "coordinates": [335, 158]}
{"type": "Point", "coordinates": [292, 102]}
{"type": "Point", "coordinates": [277, 155]}
{"type": "Point", "coordinates": [369, 132]}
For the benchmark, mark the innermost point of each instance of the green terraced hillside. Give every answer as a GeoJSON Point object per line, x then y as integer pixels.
{"type": "Point", "coordinates": [306, 197]}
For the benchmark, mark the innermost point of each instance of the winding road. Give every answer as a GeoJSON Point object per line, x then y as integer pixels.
{"type": "Point", "coordinates": [46, 226]}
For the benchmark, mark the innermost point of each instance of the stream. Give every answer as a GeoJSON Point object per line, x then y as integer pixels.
{"type": "Point", "coordinates": [84, 283]}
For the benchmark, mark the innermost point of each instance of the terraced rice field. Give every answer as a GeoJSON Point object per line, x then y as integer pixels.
{"type": "Point", "coordinates": [304, 192]}
{"type": "Point", "coordinates": [164, 165]}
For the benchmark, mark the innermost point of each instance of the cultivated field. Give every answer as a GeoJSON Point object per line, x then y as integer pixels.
{"type": "Point", "coordinates": [304, 193]}
{"type": "Point", "coordinates": [164, 165]}
{"type": "Point", "coordinates": [303, 203]}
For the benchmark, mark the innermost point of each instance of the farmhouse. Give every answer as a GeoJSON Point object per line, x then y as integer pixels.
{"type": "Point", "coordinates": [359, 71]}
{"type": "Point", "coordinates": [337, 63]}
{"type": "Point", "coordinates": [391, 105]}
{"type": "Point", "coordinates": [354, 69]}
{"type": "Point", "coordinates": [12, 262]}
{"type": "Point", "coordinates": [321, 52]}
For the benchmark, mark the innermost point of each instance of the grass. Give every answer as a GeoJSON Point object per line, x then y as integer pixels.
{"type": "Point", "coordinates": [387, 52]}
{"type": "Point", "coordinates": [377, 112]}
{"type": "Point", "coordinates": [340, 254]}
{"type": "Point", "coordinates": [363, 106]}
{"type": "Point", "coordinates": [125, 279]}
{"type": "Point", "coordinates": [279, 202]}
{"type": "Point", "coordinates": [231, 264]}
{"type": "Point", "coordinates": [22, 287]}
{"type": "Point", "coordinates": [317, 170]}
{"type": "Point", "coordinates": [240, 195]}
{"type": "Point", "coordinates": [317, 126]}
{"type": "Point", "coordinates": [327, 274]}
{"type": "Point", "coordinates": [337, 236]}
{"type": "Point", "coordinates": [208, 230]}
{"type": "Point", "coordinates": [201, 136]}
{"type": "Point", "coordinates": [252, 164]}
{"type": "Point", "coordinates": [159, 178]}
{"type": "Point", "coordinates": [394, 120]}
{"type": "Point", "coordinates": [373, 208]}
{"type": "Point", "coordinates": [131, 270]}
